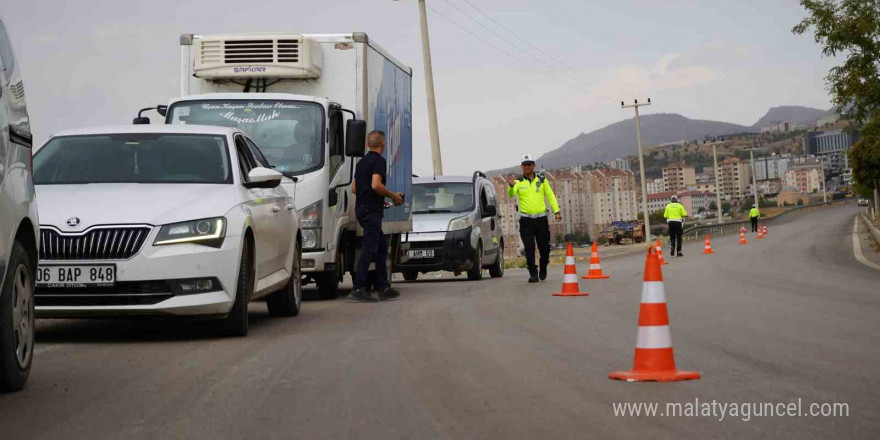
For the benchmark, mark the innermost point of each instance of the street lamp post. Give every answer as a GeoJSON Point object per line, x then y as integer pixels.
{"type": "Point", "coordinates": [636, 106]}
{"type": "Point", "coordinates": [717, 181]}
{"type": "Point", "coordinates": [754, 177]}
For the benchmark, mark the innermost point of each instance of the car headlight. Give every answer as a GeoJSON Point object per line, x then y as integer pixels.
{"type": "Point", "coordinates": [208, 231]}
{"type": "Point", "coordinates": [459, 223]}
{"type": "Point", "coordinates": [310, 220]}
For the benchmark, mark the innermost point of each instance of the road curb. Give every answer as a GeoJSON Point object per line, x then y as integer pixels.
{"type": "Point", "coordinates": [874, 231]}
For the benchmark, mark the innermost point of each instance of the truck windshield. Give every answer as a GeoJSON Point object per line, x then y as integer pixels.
{"type": "Point", "coordinates": [289, 133]}
{"type": "Point", "coordinates": [133, 158]}
{"type": "Point", "coordinates": [436, 197]}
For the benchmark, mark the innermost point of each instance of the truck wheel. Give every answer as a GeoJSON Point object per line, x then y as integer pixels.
{"type": "Point", "coordinates": [328, 282]}
{"type": "Point", "coordinates": [236, 322]}
{"type": "Point", "coordinates": [410, 276]}
{"type": "Point", "coordinates": [476, 272]}
{"type": "Point", "coordinates": [288, 301]}
{"type": "Point", "coordinates": [16, 321]}
{"type": "Point", "coordinates": [496, 270]}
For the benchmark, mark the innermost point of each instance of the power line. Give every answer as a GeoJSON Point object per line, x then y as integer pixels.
{"type": "Point", "coordinates": [530, 44]}
{"type": "Point", "coordinates": [515, 58]}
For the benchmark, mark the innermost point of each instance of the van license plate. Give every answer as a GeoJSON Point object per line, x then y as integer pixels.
{"type": "Point", "coordinates": [421, 253]}
{"type": "Point", "coordinates": [74, 275]}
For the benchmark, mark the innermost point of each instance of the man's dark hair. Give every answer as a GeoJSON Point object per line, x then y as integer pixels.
{"type": "Point", "coordinates": [375, 139]}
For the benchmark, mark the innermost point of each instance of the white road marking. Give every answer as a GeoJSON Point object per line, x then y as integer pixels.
{"type": "Point", "coordinates": [857, 247]}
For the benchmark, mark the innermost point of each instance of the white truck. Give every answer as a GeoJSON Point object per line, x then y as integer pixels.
{"type": "Point", "coordinates": [307, 101]}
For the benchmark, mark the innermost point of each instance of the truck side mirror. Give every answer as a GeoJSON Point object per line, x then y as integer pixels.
{"type": "Point", "coordinates": [141, 120]}
{"type": "Point", "coordinates": [332, 198]}
{"type": "Point", "coordinates": [355, 137]}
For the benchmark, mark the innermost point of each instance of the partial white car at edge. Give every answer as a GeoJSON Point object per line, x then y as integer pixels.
{"type": "Point", "coordinates": [163, 220]}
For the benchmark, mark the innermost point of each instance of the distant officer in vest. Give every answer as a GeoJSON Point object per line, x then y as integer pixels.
{"type": "Point", "coordinates": [530, 191]}
{"type": "Point", "coordinates": [754, 214]}
{"type": "Point", "coordinates": [674, 215]}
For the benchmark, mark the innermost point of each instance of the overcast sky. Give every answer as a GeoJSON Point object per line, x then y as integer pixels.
{"type": "Point", "coordinates": [94, 62]}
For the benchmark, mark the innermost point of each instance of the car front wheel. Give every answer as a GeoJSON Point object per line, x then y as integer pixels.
{"type": "Point", "coordinates": [496, 270]}
{"type": "Point", "coordinates": [476, 272]}
{"type": "Point", "coordinates": [236, 322]}
{"type": "Point", "coordinates": [16, 321]}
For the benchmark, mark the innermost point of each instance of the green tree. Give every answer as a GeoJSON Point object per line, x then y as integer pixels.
{"type": "Point", "coordinates": [850, 28]}
{"type": "Point", "coordinates": [725, 207]}
{"type": "Point", "coordinates": [713, 206]}
{"type": "Point", "coordinates": [865, 159]}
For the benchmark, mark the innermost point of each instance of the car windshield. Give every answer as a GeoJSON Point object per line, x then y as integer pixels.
{"type": "Point", "coordinates": [133, 158]}
{"type": "Point", "coordinates": [436, 197]}
{"type": "Point", "coordinates": [289, 133]}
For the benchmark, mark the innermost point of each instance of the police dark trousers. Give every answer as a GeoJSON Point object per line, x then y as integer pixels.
{"type": "Point", "coordinates": [754, 223]}
{"type": "Point", "coordinates": [374, 249]}
{"type": "Point", "coordinates": [530, 230]}
{"type": "Point", "coordinates": [675, 230]}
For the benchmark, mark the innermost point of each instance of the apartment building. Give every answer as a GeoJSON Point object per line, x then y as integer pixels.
{"type": "Point", "coordinates": [612, 198]}
{"type": "Point", "coordinates": [678, 175]}
{"type": "Point", "coordinates": [772, 167]}
{"type": "Point", "coordinates": [735, 176]}
{"type": "Point", "coordinates": [806, 178]}
{"type": "Point", "coordinates": [654, 186]}
{"type": "Point", "coordinates": [572, 191]}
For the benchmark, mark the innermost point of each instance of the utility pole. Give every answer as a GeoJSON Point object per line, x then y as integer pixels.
{"type": "Point", "coordinates": [717, 178]}
{"type": "Point", "coordinates": [429, 92]}
{"type": "Point", "coordinates": [645, 213]}
{"type": "Point", "coordinates": [754, 177]}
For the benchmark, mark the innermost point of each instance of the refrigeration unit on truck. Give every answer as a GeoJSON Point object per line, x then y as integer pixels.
{"type": "Point", "coordinates": [307, 101]}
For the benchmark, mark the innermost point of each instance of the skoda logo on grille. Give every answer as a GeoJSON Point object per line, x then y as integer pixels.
{"type": "Point", "coordinates": [73, 222]}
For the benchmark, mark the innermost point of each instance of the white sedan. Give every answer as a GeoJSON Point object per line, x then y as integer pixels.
{"type": "Point", "coordinates": [163, 220]}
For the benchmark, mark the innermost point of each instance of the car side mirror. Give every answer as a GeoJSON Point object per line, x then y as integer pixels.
{"type": "Point", "coordinates": [490, 211]}
{"type": "Point", "coordinates": [141, 120]}
{"type": "Point", "coordinates": [355, 137]}
{"type": "Point", "coordinates": [260, 177]}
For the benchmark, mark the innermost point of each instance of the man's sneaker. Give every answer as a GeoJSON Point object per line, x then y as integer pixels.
{"type": "Point", "coordinates": [533, 278]}
{"type": "Point", "coordinates": [543, 273]}
{"type": "Point", "coordinates": [680, 254]}
{"type": "Point", "coordinates": [388, 294]}
{"type": "Point", "coordinates": [361, 295]}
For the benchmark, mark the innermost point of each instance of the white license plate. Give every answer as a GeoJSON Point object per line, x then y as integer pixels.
{"type": "Point", "coordinates": [76, 275]}
{"type": "Point", "coordinates": [421, 253]}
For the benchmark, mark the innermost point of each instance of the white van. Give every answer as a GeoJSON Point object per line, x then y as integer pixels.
{"type": "Point", "coordinates": [19, 233]}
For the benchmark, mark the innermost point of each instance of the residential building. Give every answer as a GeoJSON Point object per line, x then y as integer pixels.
{"type": "Point", "coordinates": [572, 191]}
{"type": "Point", "coordinates": [806, 178]}
{"type": "Point", "coordinates": [678, 175]}
{"type": "Point", "coordinates": [658, 201]}
{"type": "Point", "coordinates": [735, 177]}
{"type": "Point", "coordinates": [696, 201]}
{"type": "Point", "coordinates": [619, 164]}
{"type": "Point", "coordinates": [508, 217]}
{"type": "Point", "coordinates": [654, 186]}
{"type": "Point", "coordinates": [705, 181]}
{"type": "Point", "coordinates": [612, 197]}
{"type": "Point", "coordinates": [777, 127]}
{"type": "Point", "coordinates": [772, 167]}
{"type": "Point", "coordinates": [831, 146]}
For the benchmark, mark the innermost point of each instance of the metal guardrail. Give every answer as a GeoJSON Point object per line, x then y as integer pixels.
{"type": "Point", "coordinates": [698, 232]}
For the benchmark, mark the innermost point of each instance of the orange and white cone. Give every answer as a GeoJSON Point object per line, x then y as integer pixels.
{"type": "Point", "coordinates": [654, 359]}
{"type": "Point", "coordinates": [760, 233]}
{"type": "Point", "coordinates": [660, 253]}
{"type": "Point", "coordinates": [595, 268]}
{"type": "Point", "coordinates": [765, 230]}
{"type": "Point", "coordinates": [742, 236]}
{"type": "Point", "coordinates": [570, 285]}
{"type": "Point", "coordinates": [708, 248]}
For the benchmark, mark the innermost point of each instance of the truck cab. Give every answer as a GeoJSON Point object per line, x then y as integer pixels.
{"type": "Point", "coordinates": [307, 101]}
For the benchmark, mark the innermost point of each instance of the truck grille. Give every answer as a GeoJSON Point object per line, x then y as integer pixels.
{"type": "Point", "coordinates": [117, 243]}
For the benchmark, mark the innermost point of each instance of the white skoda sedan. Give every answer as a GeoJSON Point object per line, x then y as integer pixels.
{"type": "Point", "coordinates": [163, 220]}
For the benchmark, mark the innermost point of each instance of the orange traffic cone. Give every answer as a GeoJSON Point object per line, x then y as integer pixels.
{"type": "Point", "coordinates": [570, 285]}
{"type": "Point", "coordinates": [708, 248]}
{"type": "Point", "coordinates": [654, 359]}
{"type": "Point", "coordinates": [742, 236]}
{"type": "Point", "coordinates": [660, 253]}
{"type": "Point", "coordinates": [760, 233]}
{"type": "Point", "coordinates": [595, 269]}
{"type": "Point", "coordinates": [765, 230]}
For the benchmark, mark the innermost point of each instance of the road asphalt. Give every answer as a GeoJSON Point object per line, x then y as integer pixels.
{"type": "Point", "coordinates": [793, 316]}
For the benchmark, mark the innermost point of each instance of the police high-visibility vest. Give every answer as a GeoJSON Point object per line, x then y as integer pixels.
{"type": "Point", "coordinates": [754, 213]}
{"type": "Point", "coordinates": [530, 195]}
{"type": "Point", "coordinates": [674, 211]}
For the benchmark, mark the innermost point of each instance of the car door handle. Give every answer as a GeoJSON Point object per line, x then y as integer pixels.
{"type": "Point", "coordinates": [290, 207]}
{"type": "Point", "coordinates": [276, 208]}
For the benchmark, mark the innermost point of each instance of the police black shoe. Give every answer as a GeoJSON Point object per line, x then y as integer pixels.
{"type": "Point", "coordinates": [361, 295]}
{"type": "Point", "coordinates": [680, 254]}
{"type": "Point", "coordinates": [388, 294]}
{"type": "Point", "coordinates": [533, 279]}
{"type": "Point", "coordinates": [543, 273]}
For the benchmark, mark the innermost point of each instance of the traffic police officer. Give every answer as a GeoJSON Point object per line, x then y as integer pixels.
{"type": "Point", "coordinates": [753, 216]}
{"type": "Point", "coordinates": [674, 215]}
{"type": "Point", "coordinates": [530, 190]}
